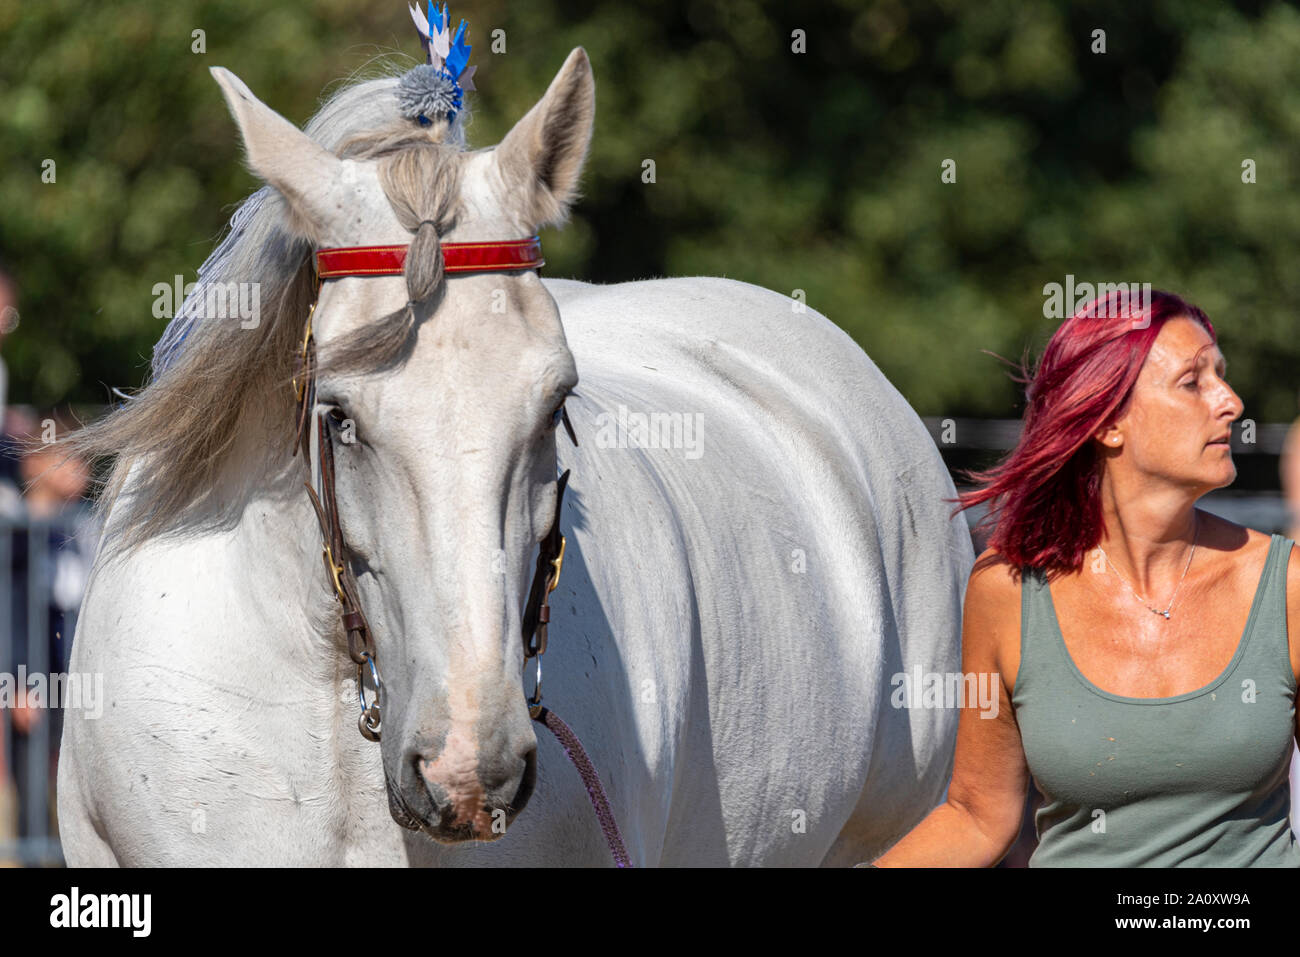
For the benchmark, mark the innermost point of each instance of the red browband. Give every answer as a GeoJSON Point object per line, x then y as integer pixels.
{"type": "Point", "coordinates": [456, 257]}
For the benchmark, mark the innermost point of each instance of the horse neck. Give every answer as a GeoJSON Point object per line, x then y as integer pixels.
{"type": "Point", "coordinates": [253, 540]}
{"type": "Point", "coordinates": [277, 539]}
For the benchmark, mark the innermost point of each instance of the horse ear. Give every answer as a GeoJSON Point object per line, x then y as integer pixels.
{"type": "Point", "coordinates": [541, 159]}
{"type": "Point", "coordinates": [283, 155]}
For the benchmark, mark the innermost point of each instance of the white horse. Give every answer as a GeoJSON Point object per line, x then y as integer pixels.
{"type": "Point", "coordinates": [732, 611]}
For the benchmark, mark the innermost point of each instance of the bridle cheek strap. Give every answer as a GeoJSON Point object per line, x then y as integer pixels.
{"type": "Point", "coordinates": [313, 438]}
{"type": "Point", "coordinates": [456, 258]}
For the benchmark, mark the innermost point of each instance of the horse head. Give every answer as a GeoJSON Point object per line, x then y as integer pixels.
{"type": "Point", "coordinates": [443, 391]}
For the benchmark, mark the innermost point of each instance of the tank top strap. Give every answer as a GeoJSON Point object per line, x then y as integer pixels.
{"type": "Point", "coordinates": [1279, 556]}
{"type": "Point", "coordinates": [1036, 628]}
{"type": "Point", "coordinates": [1268, 641]}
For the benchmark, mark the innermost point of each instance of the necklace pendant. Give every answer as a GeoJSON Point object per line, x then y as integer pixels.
{"type": "Point", "coordinates": [1165, 613]}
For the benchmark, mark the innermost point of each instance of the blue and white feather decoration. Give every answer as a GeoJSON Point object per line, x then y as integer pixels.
{"type": "Point", "coordinates": [437, 89]}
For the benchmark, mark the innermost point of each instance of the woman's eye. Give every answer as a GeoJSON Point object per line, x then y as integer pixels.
{"type": "Point", "coordinates": [1190, 385]}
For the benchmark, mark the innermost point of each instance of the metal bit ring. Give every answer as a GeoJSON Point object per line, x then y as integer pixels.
{"type": "Point", "coordinates": [369, 720]}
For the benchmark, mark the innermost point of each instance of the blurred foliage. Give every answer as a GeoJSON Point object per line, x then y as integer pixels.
{"type": "Point", "coordinates": [817, 171]}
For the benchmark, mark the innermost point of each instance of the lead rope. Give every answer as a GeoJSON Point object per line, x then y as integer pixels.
{"type": "Point", "coordinates": [573, 748]}
{"type": "Point", "coordinates": [537, 617]}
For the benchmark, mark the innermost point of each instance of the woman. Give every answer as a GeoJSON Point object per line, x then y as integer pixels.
{"type": "Point", "coordinates": [1150, 688]}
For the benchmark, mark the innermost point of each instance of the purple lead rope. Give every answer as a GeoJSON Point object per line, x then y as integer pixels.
{"type": "Point", "coordinates": [573, 748]}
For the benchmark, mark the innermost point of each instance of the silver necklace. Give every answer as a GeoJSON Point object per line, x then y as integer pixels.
{"type": "Point", "coordinates": [1195, 537]}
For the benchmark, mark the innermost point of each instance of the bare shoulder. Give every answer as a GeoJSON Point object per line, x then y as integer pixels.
{"type": "Point", "coordinates": [991, 615]}
{"type": "Point", "coordinates": [1248, 548]}
{"type": "Point", "coordinates": [1241, 551]}
{"type": "Point", "coordinates": [992, 576]}
{"type": "Point", "coordinates": [1240, 541]}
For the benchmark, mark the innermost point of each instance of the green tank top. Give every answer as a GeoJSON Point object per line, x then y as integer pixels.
{"type": "Point", "coordinates": [1194, 780]}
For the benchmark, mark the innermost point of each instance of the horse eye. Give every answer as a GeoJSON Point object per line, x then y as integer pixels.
{"type": "Point", "coordinates": [557, 415]}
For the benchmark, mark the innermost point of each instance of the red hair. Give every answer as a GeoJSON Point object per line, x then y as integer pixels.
{"type": "Point", "coordinates": [1046, 493]}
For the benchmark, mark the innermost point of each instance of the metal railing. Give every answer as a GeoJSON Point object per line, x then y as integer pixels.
{"type": "Point", "coordinates": [30, 647]}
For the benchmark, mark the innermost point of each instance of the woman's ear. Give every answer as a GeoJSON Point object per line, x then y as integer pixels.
{"type": "Point", "coordinates": [1109, 436]}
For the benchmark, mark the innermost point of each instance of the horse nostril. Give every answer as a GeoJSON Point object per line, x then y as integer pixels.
{"type": "Point", "coordinates": [478, 805]}
{"type": "Point", "coordinates": [526, 784]}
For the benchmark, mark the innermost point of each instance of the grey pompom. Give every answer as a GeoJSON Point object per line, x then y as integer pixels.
{"type": "Point", "coordinates": [428, 92]}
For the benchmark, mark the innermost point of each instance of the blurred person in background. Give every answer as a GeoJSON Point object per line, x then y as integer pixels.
{"type": "Point", "coordinates": [53, 485]}
{"type": "Point", "coordinates": [9, 494]}
{"type": "Point", "coordinates": [1290, 469]}
{"type": "Point", "coordinates": [8, 322]}
{"type": "Point", "coordinates": [10, 507]}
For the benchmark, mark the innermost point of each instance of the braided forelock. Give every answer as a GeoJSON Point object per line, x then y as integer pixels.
{"type": "Point", "coordinates": [422, 183]}
{"type": "Point", "coordinates": [422, 186]}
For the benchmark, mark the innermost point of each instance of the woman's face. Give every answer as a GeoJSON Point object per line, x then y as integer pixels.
{"type": "Point", "coordinates": [1177, 425]}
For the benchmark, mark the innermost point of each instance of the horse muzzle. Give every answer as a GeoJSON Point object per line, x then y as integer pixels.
{"type": "Point", "coordinates": [452, 800]}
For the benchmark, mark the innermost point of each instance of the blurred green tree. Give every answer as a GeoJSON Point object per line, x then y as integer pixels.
{"type": "Point", "coordinates": [816, 171]}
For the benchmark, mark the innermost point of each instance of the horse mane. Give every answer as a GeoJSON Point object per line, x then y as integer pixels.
{"type": "Point", "coordinates": [211, 380]}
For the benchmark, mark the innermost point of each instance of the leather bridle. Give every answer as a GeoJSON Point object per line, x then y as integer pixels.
{"type": "Point", "coordinates": [511, 255]}
{"type": "Point", "coordinates": [337, 263]}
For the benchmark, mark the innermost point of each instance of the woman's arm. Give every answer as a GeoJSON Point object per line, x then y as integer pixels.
{"type": "Point", "coordinates": [980, 820]}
